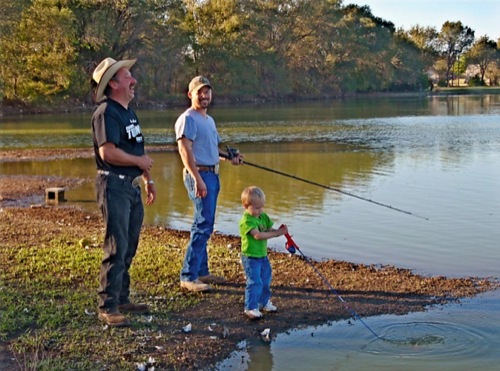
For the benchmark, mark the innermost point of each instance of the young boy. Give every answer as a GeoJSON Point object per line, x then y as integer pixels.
{"type": "Point", "coordinates": [255, 230]}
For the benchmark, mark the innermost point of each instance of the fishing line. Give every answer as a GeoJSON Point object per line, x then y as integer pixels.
{"type": "Point", "coordinates": [292, 247]}
{"type": "Point", "coordinates": [232, 153]}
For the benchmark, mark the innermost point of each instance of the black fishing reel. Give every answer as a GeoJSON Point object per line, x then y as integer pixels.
{"type": "Point", "coordinates": [232, 152]}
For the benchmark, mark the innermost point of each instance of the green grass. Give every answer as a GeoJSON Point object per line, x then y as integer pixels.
{"type": "Point", "coordinates": [468, 90]}
{"type": "Point", "coordinates": [48, 302]}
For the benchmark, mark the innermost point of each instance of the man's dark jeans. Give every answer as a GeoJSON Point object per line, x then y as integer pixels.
{"type": "Point", "coordinates": [123, 213]}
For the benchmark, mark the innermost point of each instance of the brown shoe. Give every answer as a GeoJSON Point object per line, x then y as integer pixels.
{"type": "Point", "coordinates": [114, 318]}
{"type": "Point", "coordinates": [210, 278]}
{"type": "Point", "coordinates": [195, 285]}
{"type": "Point", "coordinates": [133, 308]}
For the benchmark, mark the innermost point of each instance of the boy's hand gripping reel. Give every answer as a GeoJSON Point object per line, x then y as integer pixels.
{"type": "Point", "coordinates": [290, 245]}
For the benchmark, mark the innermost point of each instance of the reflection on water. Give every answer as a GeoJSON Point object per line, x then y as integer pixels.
{"type": "Point", "coordinates": [454, 337]}
{"type": "Point", "coordinates": [337, 120]}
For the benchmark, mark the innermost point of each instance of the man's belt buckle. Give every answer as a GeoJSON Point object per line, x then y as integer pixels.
{"type": "Point", "coordinates": [216, 169]}
{"type": "Point", "coordinates": [137, 181]}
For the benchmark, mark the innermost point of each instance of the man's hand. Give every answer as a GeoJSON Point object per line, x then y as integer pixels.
{"type": "Point", "coordinates": [201, 188]}
{"type": "Point", "coordinates": [144, 163]}
{"type": "Point", "coordinates": [237, 160]}
{"type": "Point", "coordinates": [151, 193]}
{"type": "Point", "coordinates": [233, 155]}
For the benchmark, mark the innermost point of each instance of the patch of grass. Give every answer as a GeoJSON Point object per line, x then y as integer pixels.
{"type": "Point", "coordinates": [52, 284]}
{"type": "Point", "coordinates": [467, 90]}
{"type": "Point", "coordinates": [48, 296]}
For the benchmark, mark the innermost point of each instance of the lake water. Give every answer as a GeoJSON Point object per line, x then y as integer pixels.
{"type": "Point", "coordinates": [436, 157]}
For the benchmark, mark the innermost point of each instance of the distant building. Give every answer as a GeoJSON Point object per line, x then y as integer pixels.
{"type": "Point", "coordinates": [471, 71]}
{"type": "Point", "coordinates": [432, 75]}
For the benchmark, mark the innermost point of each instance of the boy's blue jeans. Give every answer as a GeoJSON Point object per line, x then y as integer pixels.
{"type": "Point", "coordinates": [259, 273]}
{"type": "Point", "coordinates": [196, 258]}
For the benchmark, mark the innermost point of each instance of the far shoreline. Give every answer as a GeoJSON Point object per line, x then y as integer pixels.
{"type": "Point", "coordinates": [181, 101]}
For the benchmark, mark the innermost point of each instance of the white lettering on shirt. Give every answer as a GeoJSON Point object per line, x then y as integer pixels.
{"type": "Point", "coordinates": [134, 131]}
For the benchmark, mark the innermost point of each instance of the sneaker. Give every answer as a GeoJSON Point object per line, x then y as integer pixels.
{"type": "Point", "coordinates": [269, 307]}
{"type": "Point", "coordinates": [133, 308]}
{"type": "Point", "coordinates": [210, 278]}
{"type": "Point", "coordinates": [196, 285]}
{"type": "Point", "coordinates": [114, 318]}
{"type": "Point", "coordinates": [253, 313]}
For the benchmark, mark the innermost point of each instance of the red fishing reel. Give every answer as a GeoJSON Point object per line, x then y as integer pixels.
{"type": "Point", "coordinates": [290, 245]}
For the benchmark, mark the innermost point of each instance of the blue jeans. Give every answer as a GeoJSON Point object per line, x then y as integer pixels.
{"type": "Point", "coordinates": [196, 258]}
{"type": "Point", "coordinates": [259, 273]}
{"type": "Point", "coordinates": [123, 213]}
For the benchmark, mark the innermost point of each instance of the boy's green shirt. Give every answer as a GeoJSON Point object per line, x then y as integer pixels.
{"type": "Point", "coordinates": [249, 245]}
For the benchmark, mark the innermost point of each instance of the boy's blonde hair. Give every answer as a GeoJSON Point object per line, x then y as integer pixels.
{"type": "Point", "coordinates": [252, 193]}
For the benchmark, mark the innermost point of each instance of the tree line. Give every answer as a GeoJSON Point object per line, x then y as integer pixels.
{"type": "Point", "coordinates": [251, 49]}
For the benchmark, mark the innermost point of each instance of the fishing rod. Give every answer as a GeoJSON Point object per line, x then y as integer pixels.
{"type": "Point", "coordinates": [234, 152]}
{"type": "Point", "coordinates": [292, 247]}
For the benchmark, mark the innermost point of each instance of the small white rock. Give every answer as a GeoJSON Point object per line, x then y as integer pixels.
{"type": "Point", "coordinates": [266, 334]}
{"type": "Point", "coordinates": [187, 328]}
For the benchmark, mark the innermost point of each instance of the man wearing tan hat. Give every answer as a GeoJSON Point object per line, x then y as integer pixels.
{"type": "Point", "coordinates": [121, 164]}
{"type": "Point", "coordinates": [198, 143]}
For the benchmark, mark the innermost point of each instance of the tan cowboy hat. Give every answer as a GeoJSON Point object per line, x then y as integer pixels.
{"type": "Point", "coordinates": [105, 71]}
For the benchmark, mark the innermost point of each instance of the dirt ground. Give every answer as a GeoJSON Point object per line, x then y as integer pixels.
{"type": "Point", "coordinates": [302, 297]}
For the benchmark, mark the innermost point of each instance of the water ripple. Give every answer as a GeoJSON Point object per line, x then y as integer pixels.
{"type": "Point", "coordinates": [427, 340]}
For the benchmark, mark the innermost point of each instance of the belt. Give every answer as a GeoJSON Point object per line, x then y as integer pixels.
{"type": "Point", "coordinates": [135, 180]}
{"type": "Point", "coordinates": [212, 169]}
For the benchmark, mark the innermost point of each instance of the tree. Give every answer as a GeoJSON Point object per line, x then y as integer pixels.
{"type": "Point", "coordinates": [453, 40]}
{"type": "Point", "coordinates": [425, 38]}
{"type": "Point", "coordinates": [408, 61]}
{"type": "Point", "coordinates": [216, 47]}
{"type": "Point", "coordinates": [483, 53]}
{"type": "Point", "coordinates": [36, 54]}
{"type": "Point", "coordinates": [162, 57]}
{"type": "Point", "coordinates": [108, 28]}
{"type": "Point", "coordinates": [296, 43]}
{"type": "Point", "coordinates": [365, 59]}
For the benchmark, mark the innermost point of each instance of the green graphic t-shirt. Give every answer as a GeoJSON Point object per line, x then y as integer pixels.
{"type": "Point", "coordinates": [249, 245]}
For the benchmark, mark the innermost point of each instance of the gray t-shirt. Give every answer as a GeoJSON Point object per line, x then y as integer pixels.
{"type": "Point", "coordinates": [203, 133]}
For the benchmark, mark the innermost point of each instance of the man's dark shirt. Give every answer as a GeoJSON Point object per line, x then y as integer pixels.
{"type": "Point", "coordinates": [113, 123]}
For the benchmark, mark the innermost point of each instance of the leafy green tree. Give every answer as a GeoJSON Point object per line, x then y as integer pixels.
{"type": "Point", "coordinates": [107, 28]}
{"type": "Point", "coordinates": [216, 45]}
{"type": "Point", "coordinates": [162, 58]}
{"type": "Point", "coordinates": [269, 35]}
{"type": "Point", "coordinates": [453, 40]}
{"type": "Point", "coordinates": [36, 54]}
{"type": "Point", "coordinates": [314, 49]}
{"type": "Point", "coordinates": [483, 53]}
{"type": "Point", "coordinates": [293, 45]}
{"type": "Point", "coordinates": [425, 38]}
{"type": "Point", "coordinates": [409, 67]}
{"type": "Point", "coordinates": [365, 62]}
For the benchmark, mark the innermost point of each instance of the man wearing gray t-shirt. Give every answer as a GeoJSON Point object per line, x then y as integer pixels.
{"type": "Point", "coordinates": [198, 142]}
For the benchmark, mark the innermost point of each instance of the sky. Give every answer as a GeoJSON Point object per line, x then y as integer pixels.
{"type": "Point", "coordinates": [480, 15]}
